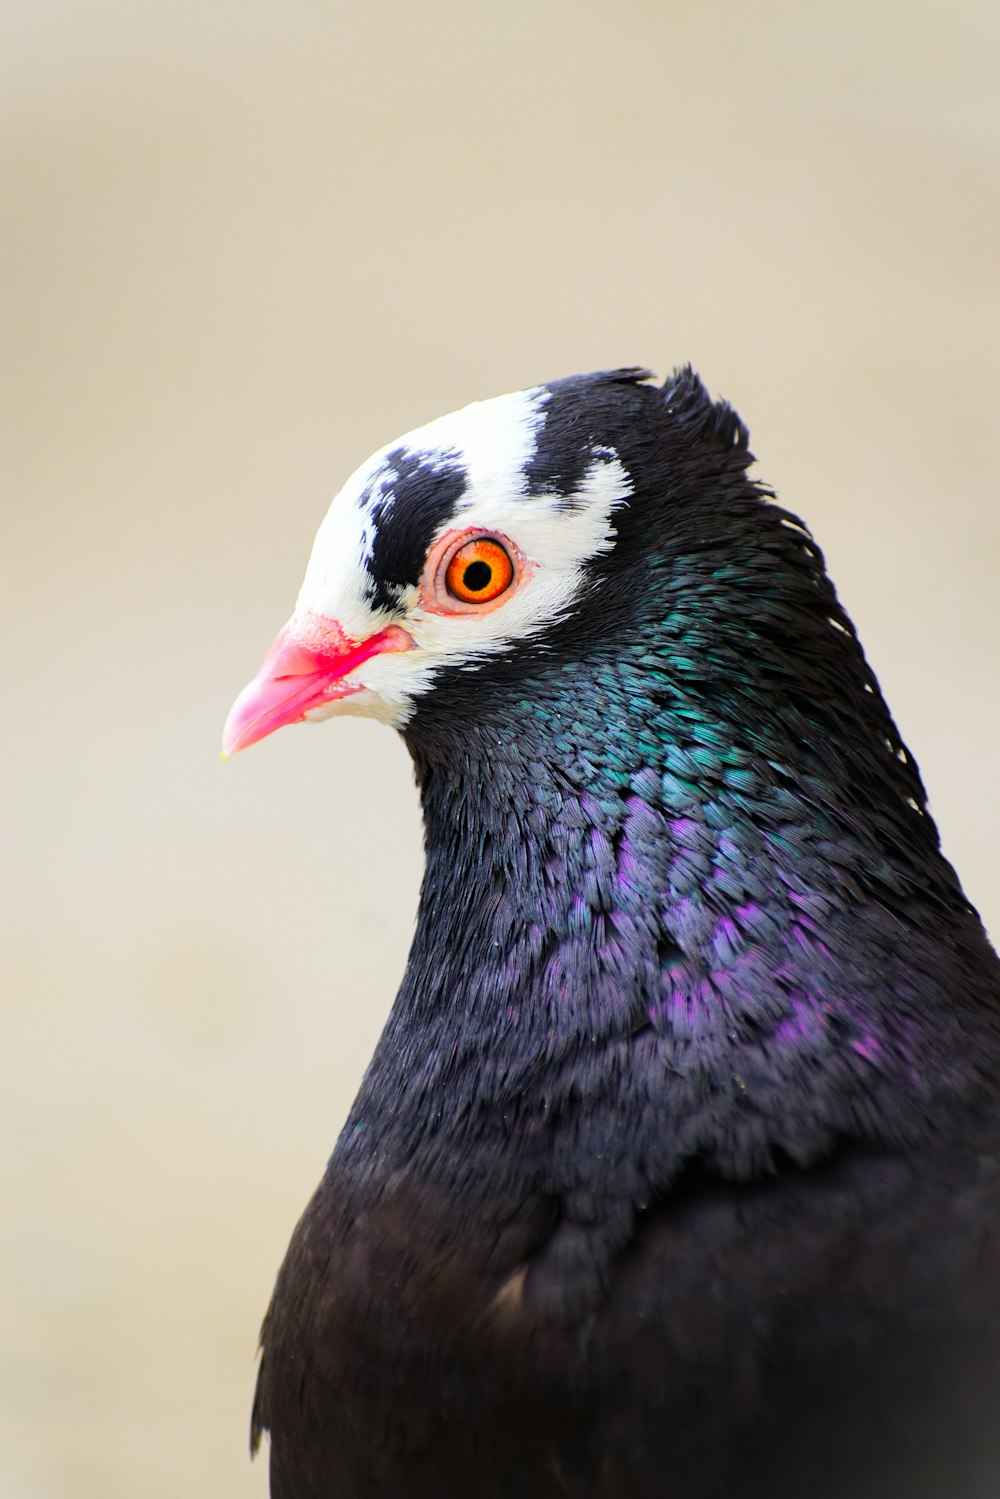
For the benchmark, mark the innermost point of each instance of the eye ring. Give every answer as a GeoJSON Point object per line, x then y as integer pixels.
{"type": "Point", "coordinates": [479, 571]}
{"type": "Point", "coordinates": [472, 572]}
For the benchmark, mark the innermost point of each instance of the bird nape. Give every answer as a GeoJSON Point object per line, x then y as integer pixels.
{"type": "Point", "coordinates": [675, 1172]}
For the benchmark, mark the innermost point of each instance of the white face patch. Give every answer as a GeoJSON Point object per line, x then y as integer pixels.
{"type": "Point", "coordinates": [492, 443]}
{"type": "Point", "coordinates": [492, 440]}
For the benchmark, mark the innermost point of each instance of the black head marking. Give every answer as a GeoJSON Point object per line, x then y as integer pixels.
{"type": "Point", "coordinates": [579, 417]}
{"type": "Point", "coordinates": [424, 490]}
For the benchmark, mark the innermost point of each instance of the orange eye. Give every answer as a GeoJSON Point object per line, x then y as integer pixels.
{"type": "Point", "coordinates": [479, 572]}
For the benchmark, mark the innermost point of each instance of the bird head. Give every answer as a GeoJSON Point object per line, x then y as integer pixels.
{"type": "Point", "coordinates": [476, 537]}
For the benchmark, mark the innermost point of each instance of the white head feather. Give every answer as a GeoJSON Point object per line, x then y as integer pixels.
{"type": "Point", "coordinates": [492, 442]}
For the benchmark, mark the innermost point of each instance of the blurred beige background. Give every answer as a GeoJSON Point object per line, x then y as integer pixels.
{"type": "Point", "coordinates": [243, 245]}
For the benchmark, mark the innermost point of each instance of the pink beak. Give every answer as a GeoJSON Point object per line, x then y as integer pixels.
{"type": "Point", "coordinates": [306, 667]}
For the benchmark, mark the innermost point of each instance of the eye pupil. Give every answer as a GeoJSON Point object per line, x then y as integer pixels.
{"type": "Point", "coordinates": [477, 576]}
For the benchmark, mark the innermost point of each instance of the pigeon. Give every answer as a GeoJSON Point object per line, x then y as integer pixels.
{"type": "Point", "coordinates": [676, 1171]}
